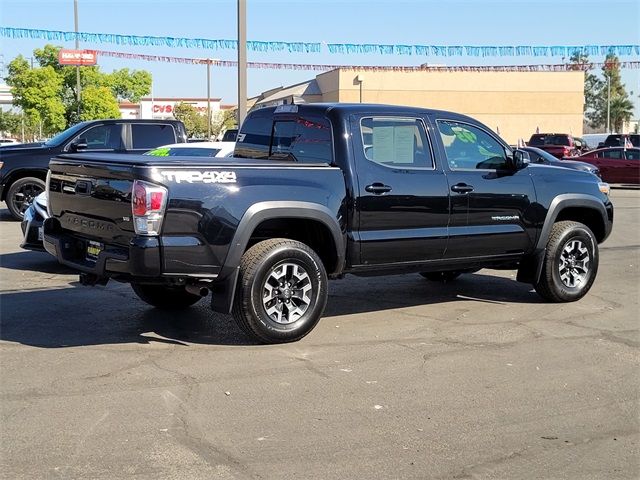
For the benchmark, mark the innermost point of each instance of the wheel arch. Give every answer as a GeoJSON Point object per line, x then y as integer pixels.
{"type": "Point", "coordinates": [578, 207]}
{"type": "Point", "coordinates": [265, 213]}
{"type": "Point", "coordinates": [21, 173]}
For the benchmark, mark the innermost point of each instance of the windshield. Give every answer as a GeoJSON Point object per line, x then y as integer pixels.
{"type": "Point", "coordinates": [65, 135]}
{"type": "Point", "coordinates": [542, 153]}
{"type": "Point", "coordinates": [537, 140]}
{"type": "Point", "coordinates": [186, 151]}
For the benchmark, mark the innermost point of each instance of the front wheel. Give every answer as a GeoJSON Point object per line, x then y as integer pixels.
{"type": "Point", "coordinates": [570, 263]}
{"type": "Point", "coordinates": [21, 194]}
{"type": "Point", "coordinates": [282, 291]}
{"type": "Point", "coordinates": [165, 297]}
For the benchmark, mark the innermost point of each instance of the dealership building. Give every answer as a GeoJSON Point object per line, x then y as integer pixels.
{"type": "Point", "coordinates": [514, 104]}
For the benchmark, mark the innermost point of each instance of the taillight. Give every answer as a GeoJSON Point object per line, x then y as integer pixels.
{"type": "Point", "coordinates": [148, 202]}
{"type": "Point", "coordinates": [47, 184]}
{"type": "Point", "coordinates": [567, 151]}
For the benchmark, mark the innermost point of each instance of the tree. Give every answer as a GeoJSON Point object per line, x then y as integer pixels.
{"type": "Point", "coordinates": [621, 112]}
{"type": "Point", "coordinates": [592, 84]}
{"type": "Point", "coordinates": [608, 92]}
{"type": "Point", "coordinates": [225, 121]}
{"type": "Point", "coordinates": [38, 92]}
{"type": "Point", "coordinates": [194, 122]}
{"type": "Point", "coordinates": [119, 85]}
{"type": "Point", "coordinates": [97, 102]}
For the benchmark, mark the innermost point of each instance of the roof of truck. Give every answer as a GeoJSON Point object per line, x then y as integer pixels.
{"type": "Point", "coordinates": [356, 108]}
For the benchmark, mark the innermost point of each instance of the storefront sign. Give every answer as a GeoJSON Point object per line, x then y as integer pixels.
{"type": "Point", "coordinates": [77, 57]}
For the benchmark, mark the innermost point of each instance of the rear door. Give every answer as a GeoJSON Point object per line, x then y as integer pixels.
{"type": "Point", "coordinates": [490, 203]}
{"type": "Point", "coordinates": [632, 168]}
{"type": "Point", "coordinates": [612, 165]}
{"type": "Point", "coordinates": [146, 136]}
{"type": "Point", "coordinates": [402, 198]}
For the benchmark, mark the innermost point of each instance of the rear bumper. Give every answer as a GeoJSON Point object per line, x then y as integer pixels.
{"type": "Point", "coordinates": [141, 258]}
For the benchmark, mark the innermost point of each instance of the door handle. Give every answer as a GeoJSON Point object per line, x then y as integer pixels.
{"type": "Point", "coordinates": [462, 188]}
{"type": "Point", "coordinates": [377, 188]}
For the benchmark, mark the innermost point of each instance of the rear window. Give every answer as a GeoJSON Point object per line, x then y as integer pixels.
{"type": "Point", "coordinates": [148, 135]}
{"type": "Point", "coordinates": [544, 139]}
{"type": "Point", "coordinates": [189, 152]}
{"type": "Point", "coordinates": [230, 135]}
{"type": "Point", "coordinates": [304, 138]}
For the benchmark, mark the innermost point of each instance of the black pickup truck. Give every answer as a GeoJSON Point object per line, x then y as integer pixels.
{"type": "Point", "coordinates": [318, 191]}
{"type": "Point", "coordinates": [23, 167]}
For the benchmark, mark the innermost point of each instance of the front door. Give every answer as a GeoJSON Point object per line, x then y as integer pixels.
{"type": "Point", "coordinates": [402, 198]}
{"type": "Point", "coordinates": [492, 205]}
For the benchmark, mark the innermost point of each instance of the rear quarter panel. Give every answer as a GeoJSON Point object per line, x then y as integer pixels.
{"type": "Point", "coordinates": [203, 216]}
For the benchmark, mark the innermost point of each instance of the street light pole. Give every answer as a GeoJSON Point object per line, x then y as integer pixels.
{"type": "Point", "coordinates": [609, 103]}
{"type": "Point", "coordinates": [208, 99]}
{"type": "Point", "coordinates": [75, 22]}
{"type": "Point", "coordinates": [242, 61]}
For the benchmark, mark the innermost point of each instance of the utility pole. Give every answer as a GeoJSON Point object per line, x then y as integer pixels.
{"type": "Point", "coordinates": [242, 61]}
{"type": "Point", "coordinates": [75, 22]}
{"type": "Point", "coordinates": [609, 102]}
{"type": "Point", "coordinates": [208, 99]}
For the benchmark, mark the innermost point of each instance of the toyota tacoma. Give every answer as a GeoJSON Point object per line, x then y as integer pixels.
{"type": "Point", "coordinates": [317, 191]}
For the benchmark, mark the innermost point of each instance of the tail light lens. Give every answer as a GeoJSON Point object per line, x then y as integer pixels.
{"type": "Point", "coordinates": [148, 203]}
{"type": "Point", "coordinates": [567, 151]}
{"type": "Point", "coordinates": [47, 184]}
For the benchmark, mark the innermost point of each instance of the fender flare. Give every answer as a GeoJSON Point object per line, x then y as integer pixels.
{"type": "Point", "coordinates": [564, 201]}
{"type": "Point", "coordinates": [224, 291]}
{"type": "Point", "coordinates": [531, 266]}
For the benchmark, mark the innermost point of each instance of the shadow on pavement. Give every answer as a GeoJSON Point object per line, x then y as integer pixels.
{"type": "Point", "coordinates": [84, 316]}
{"type": "Point", "coordinates": [28, 260]}
{"type": "Point", "coordinates": [6, 216]}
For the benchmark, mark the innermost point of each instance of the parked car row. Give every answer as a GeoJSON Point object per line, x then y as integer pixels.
{"type": "Point", "coordinates": [617, 165]}
{"type": "Point", "coordinates": [23, 167]}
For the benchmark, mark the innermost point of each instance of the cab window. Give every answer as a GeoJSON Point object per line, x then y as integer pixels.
{"type": "Point", "coordinates": [470, 148]}
{"type": "Point", "coordinates": [396, 142]}
{"type": "Point", "coordinates": [101, 137]}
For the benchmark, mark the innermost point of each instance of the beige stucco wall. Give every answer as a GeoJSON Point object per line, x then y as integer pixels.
{"type": "Point", "coordinates": [516, 103]}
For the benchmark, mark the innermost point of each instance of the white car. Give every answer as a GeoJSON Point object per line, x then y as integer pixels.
{"type": "Point", "coordinates": [197, 149]}
{"type": "Point", "coordinates": [8, 141]}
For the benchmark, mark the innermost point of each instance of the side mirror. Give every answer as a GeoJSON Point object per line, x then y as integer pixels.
{"type": "Point", "coordinates": [78, 145]}
{"type": "Point", "coordinates": [520, 159]}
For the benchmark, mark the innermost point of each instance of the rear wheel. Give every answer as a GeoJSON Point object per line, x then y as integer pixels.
{"type": "Point", "coordinates": [282, 291]}
{"type": "Point", "coordinates": [165, 297]}
{"type": "Point", "coordinates": [570, 263]}
{"type": "Point", "coordinates": [21, 194]}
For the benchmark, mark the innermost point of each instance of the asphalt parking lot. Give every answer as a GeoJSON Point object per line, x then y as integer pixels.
{"type": "Point", "coordinates": [402, 378]}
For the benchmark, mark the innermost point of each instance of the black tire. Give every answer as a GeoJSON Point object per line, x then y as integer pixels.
{"type": "Point", "coordinates": [565, 276]}
{"type": "Point", "coordinates": [442, 277]}
{"type": "Point", "coordinates": [21, 193]}
{"type": "Point", "coordinates": [165, 297]}
{"type": "Point", "coordinates": [273, 312]}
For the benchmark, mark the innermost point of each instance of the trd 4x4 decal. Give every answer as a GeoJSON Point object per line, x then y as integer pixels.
{"type": "Point", "coordinates": [195, 176]}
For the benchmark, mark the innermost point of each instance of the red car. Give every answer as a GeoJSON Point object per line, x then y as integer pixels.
{"type": "Point", "coordinates": [557, 144]}
{"type": "Point", "coordinates": [616, 164]}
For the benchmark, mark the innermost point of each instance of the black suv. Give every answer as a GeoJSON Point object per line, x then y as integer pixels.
{"type": "Point", "coordinates": [619, 140]}
{"type": "Point", "coordinates": [23, 168]}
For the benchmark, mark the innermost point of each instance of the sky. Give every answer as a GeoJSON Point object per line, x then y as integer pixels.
{"type": "Point", "coordinates": [426, 22]}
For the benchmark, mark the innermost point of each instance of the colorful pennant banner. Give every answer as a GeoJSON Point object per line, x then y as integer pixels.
{"type": "Point", "coordinates": [316, 47]}
{"type": "Point", "coordinates": [559, 67]}
{"type": "Point", "coordinates": [173, 42]}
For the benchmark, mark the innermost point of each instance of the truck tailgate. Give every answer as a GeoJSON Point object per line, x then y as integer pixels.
{"type": "Point", "coordinates": [93, 200]}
